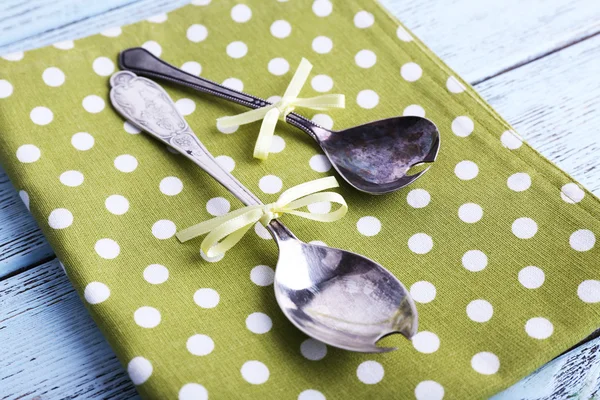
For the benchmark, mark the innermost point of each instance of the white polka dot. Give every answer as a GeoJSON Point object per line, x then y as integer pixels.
{"type": "Point", "coordinates": [28, 153]}
{"type": "Point", "coordinates": [153, 47]}
{"type": "Point", "coordinates": [64, 45]}
{"type": "Point", "coordinates": [60, 218]}
{"type": "Point", "coordinates": [454, 85]}
{"type": "Point", "coordinates": [470, 213]}
{"type": "Point", "coordinates": [363, 19]}
{"type": "Point", "coordinates": [322, 8]}
{"type": "Point", "coordinates": [313, 350]}
{"type": "Point", "coordinates": [277, 144]}
{"type": "Point", "coordinates": [531, 277]}
{"type": "Point", "coordinates": [237, 49]}
{"type": "Point", "coordinates": [319, 163]}
{"type": "Point", "coordinates": [524, 228]}
{"type": "Point", "coordinates": [117, 204]}
{"type": "Point", "coordinates": [485, 363]}
{"type": "Point", "coordinates": [403, 34]}
{"type": "Point", "coordinates": [93, 104]}
{"type": "Point", "coordinates": [418, 198]}
{"type": "Point", "coordinates": [24, 198]}
{"type": "Point", "coordinates": [582, 240]}
{"type": "Point", "coordinates": [480, 310]}
{"type": "Point", "coordinates": [226, 162]}
{"type": "Point", "coordinates": [163, 229]}
{"type": "Point", "coordinates": [262, 275]}
{"type": "Point", "coordinates": [423, 292]}
{"type": "Point", "coordinates": [230, 129]}
{"type": "Point", "coordinates": [218, 206]}
{"type": "Point", "coordinates": [270, 184]}
{"type": "Point", "coordinates": [322, 44]}
{"type": "Point", "coordinates": [96, 292]}
{"type": "Point", "coordinates": [274, 99]}
{"type": "Point", "coordinates": [519, 182]}
{"type": "Point", "coordinates": [429, 390]}
{"type": "Point", "coordinates": [241, 13]}
{"type": "Point", "coordinates": [6, 89]}
{"type": "Point", "coordinates": [589, 291]}
{"type": "Point", "coordinates": [255, 372]}
{"type": "Point", "coordinates": [235, 84]}
{"type": "Point", "coordinates": [156, 274]}
{"type": "Point", "coordinates": [262, 232]}
{"type": "Point", "coordinates": [185, 106]}
{"type": "Point", "coordinates": [368, 226]}
{"type": "Point", "coordinates": [321, 207]}
{"type": "Point", "coordinates": [511, 140]}
{"type": "Point", "coordinates": [414, 110]}
{"type": "Point", "coordinates": [259, 323]}
{"type": "Point", "coordinates": [157, 19]}
{"type": "Point", "coordinates": [572, 193]}
{"type": "Point", "coordinates": [206, 298]}
{"type": "Point", "coordinates": [370, 372]}
{"type": "Point", "coordinates": [281, 29]}
{"type": "Point", "coordinates": [16, 56]}
{"type": "Point", "coordinates": [426, 342]}
{"type": "Point", "coordinates": [466, 170]}
{"type": "Point", "coordinates": [107, 248]}
{"type": "Point", "coordinates": [539, 328]}
{"type": "Point", "coordinates": [322, 83]}
{"type": "Point", "coordinates": [139, 370]}
{"type": "Point", "coordinates": [462, 126]}
{"type": "Point", "coordinates": [192, 67]}
{"type": "Point", "coordinates": [103, 66]}
{"type": "Point", "coordinates": [41, 115]}
{"type": "Point", "coordinates": [411, 71]}
{"type": "Point", "coordinates": [130, 128]}
{"type": "Point", "coordinates": [367, 99]}
{"type": "Point", "coordinates": [171, 186]}
{"type": "Point", "coordinates": [278, 66]}
{"type": "Point", "coordinates": [323, 120]}
{"type": "Point", "coordinates": [147, 317]}
{"type": "Point", "coordinates": [420, 243]}
{"type": "Point", "coordinates": [311, 394]}
{"type": "Point", "coordinates": [200, 345]}
{"type": "Point", "coordinates": [193, 391]}
{"type": "Point", "coordinates": [213, 259]}
{"type": "Point", "coordinates": [365, 58]}
{"type": "Point", "coordinates": [111, 32]}
{"type": "Point", "coordinates": [82, 141]}
{"type": "Point", "coordinates": [196, 33]}
{"type": "Point", "coordinates": [53, 77]}
{"type": "Point", "coordinates": [126, 163]}
{"type": "Point", "coordinates": [474, 260]}
{"type": "Point", "coordinates": [201, 2]}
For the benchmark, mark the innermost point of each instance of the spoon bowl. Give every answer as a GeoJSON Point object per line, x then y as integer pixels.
{"type": "Point", "coordinates": [376, 157]}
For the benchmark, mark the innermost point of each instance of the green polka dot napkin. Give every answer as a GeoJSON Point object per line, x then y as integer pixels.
{"type": "Point", "coordinates": [498, 247]}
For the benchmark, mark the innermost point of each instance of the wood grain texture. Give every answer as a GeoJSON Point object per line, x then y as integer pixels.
{"type": "Point", "coordinates": [51, 348]}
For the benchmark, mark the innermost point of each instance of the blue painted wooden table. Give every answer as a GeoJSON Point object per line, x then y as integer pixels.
{"type": "Point", "coordinates": [535, 61]}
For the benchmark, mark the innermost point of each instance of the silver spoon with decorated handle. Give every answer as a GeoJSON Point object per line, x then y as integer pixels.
{"type": "Point", "coordinates": [338, 297]}
{"type": "Point", "coordinates": [373, 158]}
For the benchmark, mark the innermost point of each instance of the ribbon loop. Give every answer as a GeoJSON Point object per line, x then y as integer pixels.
{"type": "Point", "coordinates": [225, 231]}
{"type": "Point", "coordinates": [279, 110]}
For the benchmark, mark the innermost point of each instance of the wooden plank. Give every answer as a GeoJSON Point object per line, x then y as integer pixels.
{"type": "Point", "coordinates": [51, 348]}
{"type": "Point", "coordinates": [21, 241]}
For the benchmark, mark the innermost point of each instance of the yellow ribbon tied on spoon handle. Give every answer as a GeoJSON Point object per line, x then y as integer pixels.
{"type": "Point", "coordinates": [225, 231]}
{"type": "Point", "coordinates": [271, 113]}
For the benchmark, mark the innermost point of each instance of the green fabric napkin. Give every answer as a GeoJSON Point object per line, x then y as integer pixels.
{"type": "Point", "coordinates": [498, 247]}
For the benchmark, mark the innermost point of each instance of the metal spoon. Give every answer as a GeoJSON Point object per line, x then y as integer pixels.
{"type": "Point", "coordinates": [338, 297]}
{"type": "Point", "coordinates": [373, 157]}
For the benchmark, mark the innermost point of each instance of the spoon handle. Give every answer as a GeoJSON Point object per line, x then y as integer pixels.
{"type": "Point", "coordinates": [144, 63]}
{"type": "Point", "coordinates": [147, 106]}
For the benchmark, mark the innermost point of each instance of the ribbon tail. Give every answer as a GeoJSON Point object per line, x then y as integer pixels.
{"type": "Point", "coordinates": [267, 129]}
{"type": "Point", "coordinates": [244, 118]}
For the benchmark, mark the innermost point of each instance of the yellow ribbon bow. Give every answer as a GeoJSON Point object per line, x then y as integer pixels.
{"type": "Point", "coordinates": [271, 113]}
{"type": "Point", "coordinates": [225, 231]}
